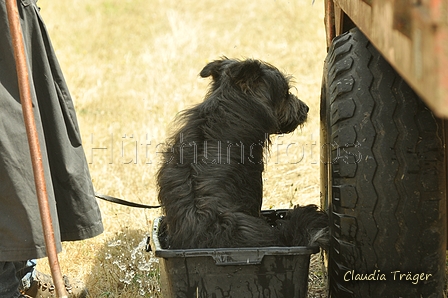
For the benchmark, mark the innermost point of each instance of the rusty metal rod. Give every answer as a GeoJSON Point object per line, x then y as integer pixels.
{"type": "Point", "coordinates": [33, 141]}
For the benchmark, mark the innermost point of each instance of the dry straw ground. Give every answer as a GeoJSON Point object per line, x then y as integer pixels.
{"type": "Point", "coordinates": [131, 66]}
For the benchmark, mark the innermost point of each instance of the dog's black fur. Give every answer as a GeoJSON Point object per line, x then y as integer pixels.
{"type": "Point", "coordinates": [210, 182]}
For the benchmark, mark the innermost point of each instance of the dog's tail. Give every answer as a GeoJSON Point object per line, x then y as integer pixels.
{"type": "Point", "coordinates": [305, 225]}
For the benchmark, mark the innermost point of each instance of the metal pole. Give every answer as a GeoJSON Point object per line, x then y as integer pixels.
{"type": "Point", "coordinates": [33, 141]}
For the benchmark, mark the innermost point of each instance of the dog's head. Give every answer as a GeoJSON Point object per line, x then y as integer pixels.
{"type": "Point", "coordinates": [260, 81]}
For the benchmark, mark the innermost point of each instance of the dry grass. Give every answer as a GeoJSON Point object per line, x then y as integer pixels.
{"type": "Point", "coordinates": [131, 66]}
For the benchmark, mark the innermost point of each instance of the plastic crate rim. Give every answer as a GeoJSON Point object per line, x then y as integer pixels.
{"type": "Point", "coordinates": [228, 256]}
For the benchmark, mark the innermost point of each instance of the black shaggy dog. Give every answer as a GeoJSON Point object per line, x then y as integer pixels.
{"type": "Point", "coordinates": [210, 182]}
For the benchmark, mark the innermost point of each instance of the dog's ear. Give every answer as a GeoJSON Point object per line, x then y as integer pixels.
{"type": "Point", "coordinates": [246, 74]}
{"type": "Point", "coordinates": [213, 69]}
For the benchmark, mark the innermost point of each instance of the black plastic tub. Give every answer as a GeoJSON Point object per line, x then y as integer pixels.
{"type": "Point", "coordinates": [233, 272]}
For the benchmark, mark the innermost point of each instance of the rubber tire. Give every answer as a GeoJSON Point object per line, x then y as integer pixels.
{"type": "Point", "coordinates": [383, 177]}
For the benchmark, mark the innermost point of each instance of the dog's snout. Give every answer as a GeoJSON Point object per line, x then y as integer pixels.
{"type": "Point", "coordinates": [304, 107]}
